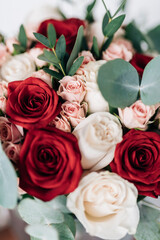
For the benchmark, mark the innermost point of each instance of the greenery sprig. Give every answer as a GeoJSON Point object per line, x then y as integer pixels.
{"type": "Point", "coordinates": [22, 38]}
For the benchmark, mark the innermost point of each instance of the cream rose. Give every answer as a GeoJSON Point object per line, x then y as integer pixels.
{"type": "Point", "coordinates": [94, 98]}
{"type": "Point", "coordinates": [45, 77]}
{"type": "Point", "coordinates": [18, 67]}
{"type": "Point", "coordinates": [106, 205]}
{"type": "Point", "coordinates": [137, 115]}
{"type": "Point", "coordinates": [120, 48]}
{"type": "Point", "coordinates": [34, 53]}
{"type": "Point", "coordinates": [97, 137]}
{"type": "Point", "coordinates": [3, 54]}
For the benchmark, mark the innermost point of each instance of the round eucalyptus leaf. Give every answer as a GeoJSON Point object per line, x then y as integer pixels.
{"type": "Point", "coordinates": [150, 83]}
{"type": "Point", "coordinates": [42, 232]}
{"type": "Point", "coordinates": [118, 82]}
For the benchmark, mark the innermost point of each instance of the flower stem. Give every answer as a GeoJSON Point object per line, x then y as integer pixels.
{"type": "Point", "coordinates": [59, 63]}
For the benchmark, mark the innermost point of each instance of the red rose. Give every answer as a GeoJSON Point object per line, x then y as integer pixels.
{"type": "Point", "coordinates": [31, 103]}
{"type": "Point", "coordinates": [68, 28]}
{"type": "Point", "coordinates": [139, 61]}
{"type": "Point", "coordinates": [137, 159]}
{"type": "Point", "coordinates": [50, 163]}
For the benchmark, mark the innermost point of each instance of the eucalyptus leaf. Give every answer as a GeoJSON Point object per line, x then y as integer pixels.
{"type": "Point", "coordinates": [33, 212]}
{"type": "Point", "coordinates": [8, 182]}
{"type": "Point", "coordinates": [51, 35]}
{"type": "Point", "coordinates": [54, 74]}
{"type": "Point", "coordinates": [91, 6]}
{"type": "Point", "coordinates": [22, 37]}
{"type": "Point", "coordinates": [95, 48]}
{"type": "Point", "coordinates": [51, 57]}
{"type": "Point", "coordinates": [44, 58]}
{"type": "Point", "coordinates": [106, 20]}
{"type": "Point", "coordinates": [120, 7]}
{"type": "Point", "coordinates": [107, 43]}
{"type": "Point", "coordinates": [118, 82]}
{"type": "Point", "coordinates": [89, 16]}
{"type": "Point", "coordinates": [154, 36]}
{"type": "Point", "coordinates": [18, 49]}
{"type": "Point", "coordinates": [42, 39]}
{"type": "Point", "coordinates": [149, 227]}
{"type": "Point", "coordinates": [113, 26]}
{"type": "Point", "coordinates": [69, 220]}
{"type": "Point", "coordinates": [150, 83]}
{"type": "Point", "coordinates": [59, 203]}
{"type": "Point", "coordinates": [61, 47]}
{"type": "Point", "coordinates": [76, 65]}
{"type": "Point", "coordinates": [64, 232]}
{"type": "Point", "coordinates": [76, 48]}
{"type": "Point", "coordinates": [42, 232]}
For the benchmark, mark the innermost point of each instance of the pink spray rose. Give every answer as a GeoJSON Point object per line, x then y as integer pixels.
{"type": "Point", "coordinates": [120, 48]}
{"type": "Point", "coordinates": [3, 54]}
{"type": "Point", "coordinates": [3, 104]}
{"type": "Point", "coordinates": [72, 89]}
{"type": "Point", "coordinates": [8, 131]}
{"type": "Point", "coordinates": [61, 123]}
{"type": "Point", "coordinates": [12, 151]}
{"type": "Point", "coordinates": [45, 77]}
{"type": "Point", "coordinates": [137, 115]}
{"type": "Point", "coordinates": [88, 57]}
{"type": "Point", "coordinates": [74, 112]}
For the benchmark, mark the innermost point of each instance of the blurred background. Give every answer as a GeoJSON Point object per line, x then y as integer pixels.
{"type": "Point", "coordinates": [15, 12]}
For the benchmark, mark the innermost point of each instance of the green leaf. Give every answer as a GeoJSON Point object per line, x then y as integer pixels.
{"type": "Point", "coordinates": [69, 220]}
{"type": "Point", "coordinates": [76, 65]}
{"type": "Point", "coordinates": [118, 82]}
{"type": "Point", "coordinates": [51, 57]}
{"type": "Point", "coordinates": [107, 43]}
{"type": "Point", "coordinates": [105, 21]}
{"type": "Point", "coordinates": [59, 203]}
{"type": "Point", "coordinates": [51, 35]}
{"type": "Point", "coordinates": [18, 49]}
{"type": "Point", "coordinates": [113, 26]}
{"type": "Point", "coordinates": [135, 36]}
{"type": "Point", "coordinates": [89, 15]}
{"type": "Point", "coordinates": [148, 228]}
{"type": "Point", "coordinates": [150, 83]}
{"type": "Point", "coordinates": [33, 212]}
{"type": "Point", "coordinates": [42, 39]}
{"type": "Point", "coordinates": [120, 7]}
{"type": "Point", "coordinates": [95, 49]}
{"type": "Point", "coordinates": [22, 37]}
{"type": "Point", "coordinates": [54, 74]}
{"type": "Point", "coordinates": [91, 6]}
{"type": "Point", "coordinates": [8, 182]}
{"type": "Point", "coordinates": [61, 47]}
{"type": "Point", "coordinates": [64, 232]}
{"type": "Point", "coordinates": [154, 36]}
{"type": "Point", "coordinates": [76, 48]}
{"type": "Point", "coordinates": [42, 232]}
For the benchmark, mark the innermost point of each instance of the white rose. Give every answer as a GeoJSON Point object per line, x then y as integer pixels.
{"type": "Point", "coordinates": [106, 205]}
{"type": "Point", "coordinates": [94, 98]}
{"type": "Point", "coordinates": [18, 67]}
{"type": "Point", "coordinates": [97, 137]}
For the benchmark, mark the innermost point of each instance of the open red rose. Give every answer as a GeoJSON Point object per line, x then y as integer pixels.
{"type": "Point", "coordinates": [137, 159]}
{"type": "Point", "coordinates": [67, 27]}
{"type": "Point", "coordinates": [50, 163]}
{"type": "Point", "coordinates": [139, 61]}
{"type": "Point", "coordinates": [31, 103]}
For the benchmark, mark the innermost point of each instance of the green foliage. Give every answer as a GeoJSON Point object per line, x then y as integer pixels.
{"type": "Point", "coordinates": [22, 37]}
{"type": "Point", "coordinates": [118, 82]}
{"type": "Point", "coordinates": [95, 49]}
{"type": "Point", "coordinates": [48, 220]}
{"type": "Point", "coordinates": [105, 22]}
{"type": "Point", "coordinates": [76, 48]}
{"type": "Point", "coordinates": [76, 64]}
{"type": "Point", "coordinates": [8, 182]}
{"type": "Point", "coordinates": [61, 48]}
{"type": "Point", "coordinates": [89, 15]}
{"type": "Point", "coordinates": [150, 83]}
{"type": "Point", "coordinates": [154, 36]}
{"type": "Point", "coordinates": [149, 226]}
{"type": "Point", "coordinates": [107, 43]}
{"type": "Point", "coordinates": [54, 74]}
{"type": "Point", "coordinates": [42, 39]}
{"type": "Point", "coordinates": [51, 35]}
{"type": "Point", "coordinates": [121, 7]}
{"type": "Point", "coordinates": [113, 26]}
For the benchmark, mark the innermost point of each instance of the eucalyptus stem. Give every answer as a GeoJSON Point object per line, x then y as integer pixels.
{"type": "Point", "coordinates": [59, 63]}
{"type": "Point", "coordinates": [106, 9]}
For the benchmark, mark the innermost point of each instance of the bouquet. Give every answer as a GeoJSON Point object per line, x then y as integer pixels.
{"type": "Point", "coordinates": [79, 127]}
